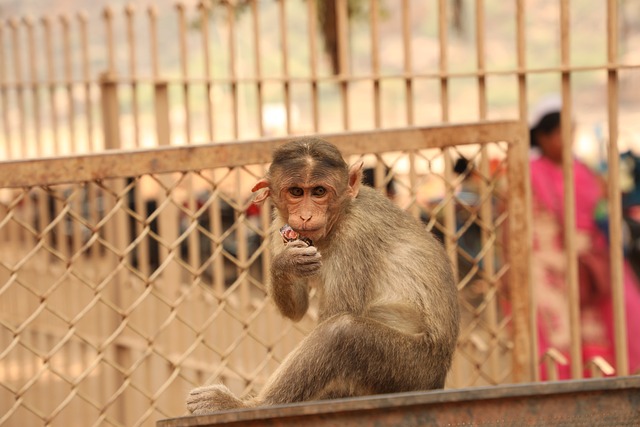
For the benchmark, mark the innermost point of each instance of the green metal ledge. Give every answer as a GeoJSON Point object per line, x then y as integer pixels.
{"type": "Point", "coordinates": [597, 402]}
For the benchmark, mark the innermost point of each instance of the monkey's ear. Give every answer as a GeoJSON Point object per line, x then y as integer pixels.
{"type": "Point", "coordinates": [355, 178]}
{"type": "Point", "coordinates": [262, 184]}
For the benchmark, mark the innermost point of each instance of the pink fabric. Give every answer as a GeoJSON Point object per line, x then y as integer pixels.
{"type": "Point", "coordinates": [549, 270]}
{"type": "Point", "coordinates": [547, 184]}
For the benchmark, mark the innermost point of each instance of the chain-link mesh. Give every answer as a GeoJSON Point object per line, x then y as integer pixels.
{"type": "Point", "coordinates": [118, 295]}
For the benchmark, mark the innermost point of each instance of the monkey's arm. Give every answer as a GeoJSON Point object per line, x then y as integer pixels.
{"type": "Point", "coordinates": [290, 270]}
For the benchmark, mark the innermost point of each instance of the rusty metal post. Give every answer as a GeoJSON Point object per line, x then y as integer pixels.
{"type": "Point", "coordinates": [524, 360]}
{"type": "Point", "coordinates": [570, 197]}
{"type": "Point", "coordinates": [161, 106]}
{"type": "Point", "coordinates": [522, 107]}
{"type": "Point", "coordinates": [342, 27]}
{"type": "Point", "coordinates": [615, 202]}
{"type": "Point", "coordinates": [110, 111]}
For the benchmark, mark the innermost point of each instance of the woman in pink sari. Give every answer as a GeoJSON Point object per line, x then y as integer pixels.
{"type": "Point", "coordinates": [549, 262]}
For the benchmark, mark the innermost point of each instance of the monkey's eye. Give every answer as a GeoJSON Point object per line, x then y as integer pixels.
{"type": "Point", "coordinates": [319, 191]}
{"type": "Point", "coordinates": [296, 191]}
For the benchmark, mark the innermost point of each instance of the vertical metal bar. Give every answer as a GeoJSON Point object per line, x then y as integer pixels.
{"type": "Point", "coordinates": [214, 209]}
{"type": "Point", "coordinates": [92, 190]}
{"type": "Point", "coordinates": [109, 90]}
{"type": "Point", "coordinates": [449, 210]}
{"type": "Point", "coordinates": [486, 209]}
{"type": "Point", "coordinates": [204, 8]}
{"type": "Point", "coordinates": [523, 111]}
{"type": "Point", "coordinates": [409, 98]}
{"type": "Point", "coordinates": [153, 38]}
{"type": "Point", "coordinates": [374, 15]}
{"type": "Point", "coordinates": [110, 319]}
{"type": "Point", "coordinates": [265, 211]}
{"type": "Point", "coordinates": [14, 24]}
{"type": "Point", "coordinates": [524, 365]}
{"type": "Point", "coordinates": [379, 171]}
{"type": "Point", "coordinates": [33, 75]}
{"type": "Point", "coordinates": [255, 19]}
{"type": "Point", "coordinates": [75, 241]}
{"type": "Point", "coordinates": [203, 5]}
{"type": "Point", "coordinates": [192, 240]}
{"type": "Point", "coordinates": [68, 77]}
{"type": "Point", "coordinates": [231, 21]}
{"type": "Point", "coordinates": [37, 125]}
{"type": "Point", "coordinates": [141, 253]}
{"type": "Point", "coordinates": [161, 88]}
{"type": "Point", "coordinates": [569, 195]}
{"type": "Point", "coordinates": [285, 63]}
{"type": "Point", "coordinates": [615, 203]}
{"type": "Point", "coordinates": [161, 104]}
{"type": "Point", "coordinates": [342, 26]}
{"type": "Point", "coordinates": [406, 43]}
{"type": "Point", "coordinates": [4, 96]}
{"type": "Point", "coordinates": [110, 113]}
{"type": "Point", "coordinates": [59, 229]}
{"type": "Point", "coordinates": [184, 69]}
{"type": "Point", "coordinates": [241, 230]}
{"type": "Point", "coordinates": [444, 80]}
{"type": "Point", "coordinates": [131, 41]}
{"type": "Point", "coordinates": [482, 87]}
{"type": "Point", "coordinates": [86, 76]}
{"type": "Point", "coordinates": [312, 14]}
{"type": "Point", "coordinates": [107, 14]}
{"type": "Point", "coordinates": [48, 37]}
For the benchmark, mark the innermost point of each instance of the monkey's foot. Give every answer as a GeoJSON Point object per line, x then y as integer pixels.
{"type": "Point", "coordinates": [212, 398]}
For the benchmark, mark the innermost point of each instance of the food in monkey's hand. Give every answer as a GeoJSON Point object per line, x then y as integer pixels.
{"type": "Point", "coordinates": [289, 235]}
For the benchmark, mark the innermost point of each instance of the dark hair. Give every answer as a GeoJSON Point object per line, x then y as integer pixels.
{"type": "Point", "coordinates": [461, 165]}
{"type": "Point", "coordinates": [547, 124]}
{"type": "Point", "coordinates": [296, 155]}
{"type": "Point", "coordinates": [369, 178]}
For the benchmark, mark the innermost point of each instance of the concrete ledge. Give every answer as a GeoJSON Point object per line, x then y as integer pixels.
{"type": "Point", "coordinates": [601, 402]}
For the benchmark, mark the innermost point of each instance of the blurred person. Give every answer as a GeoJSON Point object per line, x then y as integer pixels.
{"type": "Point", "coordinates": [548, 259]}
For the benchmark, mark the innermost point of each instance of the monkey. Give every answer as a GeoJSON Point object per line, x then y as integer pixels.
{"type": "Point", "coordinates": [388, 314]}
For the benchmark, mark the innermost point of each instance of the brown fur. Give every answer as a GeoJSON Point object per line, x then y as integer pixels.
{"type": "Point", "coordinates": [388, 311]}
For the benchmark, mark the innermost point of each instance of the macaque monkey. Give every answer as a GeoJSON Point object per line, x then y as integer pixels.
{"type": "Point", "coordinates": [388, 310]}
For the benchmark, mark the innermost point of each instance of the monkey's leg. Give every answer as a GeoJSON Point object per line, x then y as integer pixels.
{"type": "Point", "coordinates": [212, 398]}
{"type": "Point", "coordinates": [353, 356]}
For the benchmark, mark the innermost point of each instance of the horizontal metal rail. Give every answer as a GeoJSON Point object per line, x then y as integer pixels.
{"type": "Point", "coordinates": [117, 163]}
{"type": "Point", "coordinates": [602, 402]}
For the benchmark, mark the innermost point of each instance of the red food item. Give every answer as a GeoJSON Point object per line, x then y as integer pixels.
{"type": "Point", "coordinates": [289, 235]}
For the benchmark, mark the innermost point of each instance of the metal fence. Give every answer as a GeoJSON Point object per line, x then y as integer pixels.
{"type": "Point", "coordinates": [127, 278]}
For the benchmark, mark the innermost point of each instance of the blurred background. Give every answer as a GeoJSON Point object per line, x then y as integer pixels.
{"type": "Point", "coordinates": [132, 268]}
{"type": "Point", "coordinates": [71, 43]}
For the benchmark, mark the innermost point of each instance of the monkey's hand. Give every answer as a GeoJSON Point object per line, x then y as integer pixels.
{"type": "Point", "coordinates": [298, 259]}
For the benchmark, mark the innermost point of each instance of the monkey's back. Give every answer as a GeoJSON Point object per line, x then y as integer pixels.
{"type": "Point", "coordinates": [385, 258]}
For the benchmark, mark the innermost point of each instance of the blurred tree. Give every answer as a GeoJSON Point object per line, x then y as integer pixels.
{"type": "Point", "coordinates": [356, 9]}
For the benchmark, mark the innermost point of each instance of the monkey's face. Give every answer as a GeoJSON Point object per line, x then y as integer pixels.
{"type": "Point", "coordinates": [310, 185]}
{"type": "Point", "coordinates": [307, 208]}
